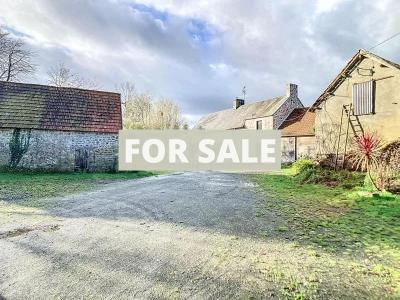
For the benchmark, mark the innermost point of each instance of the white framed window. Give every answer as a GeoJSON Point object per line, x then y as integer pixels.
{"type": "Point", "coordinates": [364, 98]}
{"type": "Point", "coordinates": [259, 125]}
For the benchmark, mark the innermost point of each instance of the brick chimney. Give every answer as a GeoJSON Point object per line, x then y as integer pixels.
{"type": "Point", "coordinates": [237, 103]}
{"type": "Point", "coordinates": [291, 90]}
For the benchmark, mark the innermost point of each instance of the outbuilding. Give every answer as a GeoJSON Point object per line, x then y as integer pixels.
{"type": "Point", "coordinates": [363, 97]}
{"type": "Point", "coordinates": [58, 128]}
{"type": "Point", "coordinates": [298, 136]}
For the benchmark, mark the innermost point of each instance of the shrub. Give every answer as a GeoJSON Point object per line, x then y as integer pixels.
{"type": "Point", "coordinates": [391, 156]}
{"type": "Point", "coordinates": [307, 175]}
{"type": "Point", "coordinates": [316, 175]}
{"type": "Point", "coordinates": [367, 153]}
{"type": "Point", "coordinates": [301, 165]}
{"type": "Point", "coordinates": [329, 162]}
{"type": "Point", "coordinates": [389, 170]}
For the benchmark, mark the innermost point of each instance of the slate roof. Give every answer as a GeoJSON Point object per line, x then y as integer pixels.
{"type": "Point", "coordinates": [350, 66]}
{"type": "Point", "coordinates": [235, 118]}
{"type": "Point", "coordinates": [31, 106]}
{"type": "Point", "coordinates": [300, 122]}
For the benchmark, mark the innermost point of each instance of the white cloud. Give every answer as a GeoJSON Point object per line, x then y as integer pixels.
{"type": "Point", "coordinates": [324, 6]}
{"type": "Point", "coordinates": [200, 53]}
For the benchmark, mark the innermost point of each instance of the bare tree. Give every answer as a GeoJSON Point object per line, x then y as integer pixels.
{"type": "Point", "coordinates": [141, 111]}
{"type": "Point", "coordinates": [15, 59]}
{"type": "Point", "coordinates": [137, 111]}
{"type": "Point", "coordinates": [62, 76]}
{"type": "Point", "coordinates": [127, 91]}
{"type": "Point", "coordinates": [166, 115]}
{"type": "Point", "coordinates": [3, 37]}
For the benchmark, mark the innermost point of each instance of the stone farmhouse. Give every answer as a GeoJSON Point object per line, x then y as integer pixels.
{"type": "Point", "coordinates": [64, 129]}
{"type": "Point", "coordinates": [276, 113]}
{"type": "Point", "coordinates": [364, 97]}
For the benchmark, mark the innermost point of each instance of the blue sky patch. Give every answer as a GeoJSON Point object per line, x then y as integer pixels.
{"type": "Point", "coordinates": [200, 31]}
{"type": "Point", "coordinates": [154, 13]}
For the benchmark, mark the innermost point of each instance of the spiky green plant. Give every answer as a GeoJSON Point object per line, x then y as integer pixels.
{"type": "Point", "coordinates": [367, 152]}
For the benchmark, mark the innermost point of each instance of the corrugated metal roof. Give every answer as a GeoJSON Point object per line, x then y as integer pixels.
{"type": "Point", "coordinates": [31, 106]}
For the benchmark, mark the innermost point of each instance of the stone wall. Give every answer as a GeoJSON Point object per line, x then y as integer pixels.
{"type": "Point", "coordinates": [291, 102]}
{"type": "Point", "coordinates": [59, 150]}
{"type": "Point", "coordinates": [286, 108]}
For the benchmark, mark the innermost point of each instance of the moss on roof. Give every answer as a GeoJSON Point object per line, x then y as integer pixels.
{"type": "Point", "coordinates": [54, 108]}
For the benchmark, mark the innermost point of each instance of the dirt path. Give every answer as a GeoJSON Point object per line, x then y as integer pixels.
{"type": "Point", "coordinates": [188, 235]}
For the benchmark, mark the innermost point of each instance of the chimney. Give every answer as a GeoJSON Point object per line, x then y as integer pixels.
{"type": "Point", "coordinates": [237, 103]}
{"type": "Point", "coordinates": [291, 90]}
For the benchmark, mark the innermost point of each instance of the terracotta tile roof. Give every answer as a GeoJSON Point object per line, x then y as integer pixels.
{"type": "Point", "coordinates": [299, 123]}
{"type": "Point", "coordinates": [235, 118]}
{"type": "Point", "coordinates": [54, 108]}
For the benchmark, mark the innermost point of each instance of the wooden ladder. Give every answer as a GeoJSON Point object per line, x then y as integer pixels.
{"type": "Point", "coordinates": [352, 121]}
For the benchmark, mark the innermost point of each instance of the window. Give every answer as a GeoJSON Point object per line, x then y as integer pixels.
{"type": "Point", "coordinates": [364, 98]}
{"type": "Point", "coordinates": [259, 125]}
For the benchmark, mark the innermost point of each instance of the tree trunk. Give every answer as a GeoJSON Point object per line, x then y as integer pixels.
{"type": "Point", "coordinates": [9, 67]}
{"type": "Point", "coordinates": [370, 178]}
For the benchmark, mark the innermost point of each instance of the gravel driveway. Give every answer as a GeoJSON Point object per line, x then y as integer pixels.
{"type": "Point", "coordinates": [172, 236]}
{"type": "Point", "coordinates": [178, 236]}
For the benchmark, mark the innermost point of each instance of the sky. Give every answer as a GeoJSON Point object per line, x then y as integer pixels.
{"type": "Point", "coordinates": [201, 53]}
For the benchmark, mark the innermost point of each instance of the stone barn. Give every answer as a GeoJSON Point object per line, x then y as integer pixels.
{"type": "Point", "coordinates": [57, 128]}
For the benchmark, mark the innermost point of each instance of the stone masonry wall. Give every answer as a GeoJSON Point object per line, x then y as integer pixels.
{"type": "Point", "coordinates": [57, 150]}
{"type": "Point", "coordinates": [284, 111]}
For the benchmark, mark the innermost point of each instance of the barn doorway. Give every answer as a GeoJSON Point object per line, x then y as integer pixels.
{"type": "Point", "coordinates": [82, 159]}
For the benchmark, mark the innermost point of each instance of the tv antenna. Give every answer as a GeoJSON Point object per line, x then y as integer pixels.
{"type": "Point", "coordinates": [244, 92]}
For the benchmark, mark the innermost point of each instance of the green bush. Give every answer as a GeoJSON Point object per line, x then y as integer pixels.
{"type": "Point", "coordinates": [308, 172]}
{"type": "Point", "coordinates": [307, 175]}
{"type": "Point", "coordinates": [301, 165]}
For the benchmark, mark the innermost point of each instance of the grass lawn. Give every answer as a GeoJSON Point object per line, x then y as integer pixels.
{"type": "Point", "coordinates": [341, 220]}
{"type": "Point", "coordinates": [32, 189]}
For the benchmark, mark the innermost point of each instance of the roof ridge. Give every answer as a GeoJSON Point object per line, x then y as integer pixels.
{"type": "Point", "coordinates": [265, 100]}
{"type": "Point", "coordinates": [248, 104]}
{"type": "Point", "coordinates": [235, 118]}
{"type": "Point", "coordinates": [354, 61]}
{"type": "Point", "coordinates": [366, 52]}
{"type": "Point", "coordinates": [57, 87]}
